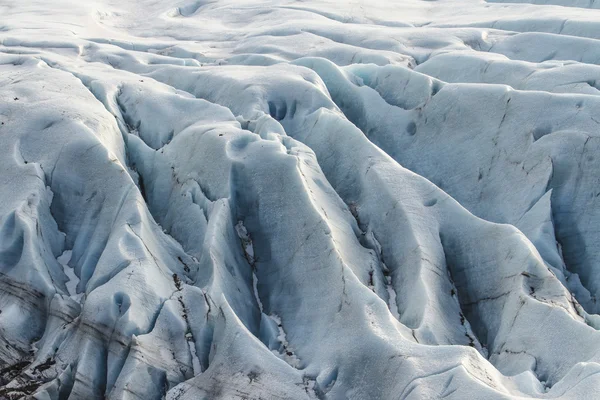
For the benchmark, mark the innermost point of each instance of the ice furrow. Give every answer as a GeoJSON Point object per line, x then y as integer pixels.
{"type": "Point", "coordinates": [370, 241]}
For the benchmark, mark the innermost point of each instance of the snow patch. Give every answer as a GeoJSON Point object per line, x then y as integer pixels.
{"type": "Point", "coordinates": [73, 281]}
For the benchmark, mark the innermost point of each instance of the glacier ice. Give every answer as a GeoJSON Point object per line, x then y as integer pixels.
{"type": "Point", "coordinates": [299, 199]}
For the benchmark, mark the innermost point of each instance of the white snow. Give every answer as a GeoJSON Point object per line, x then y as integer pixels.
{"type": "Point", "coordinates": [195, 361]}
{"type": "Point", "coordinates": [392, 301]}
{"type": "Point", "coordinates": [246, 241]}
{"type": "Point", "coordinates": [73, 281]}
{"type": "Point", "coordinates": [286, 352]}
{"type": "Point", "coordinates": [242, 233]}
{"type": "Point", "coordinates": [255, 290]}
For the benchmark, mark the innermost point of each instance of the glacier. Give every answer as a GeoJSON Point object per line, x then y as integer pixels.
{"type": "Point", "coordinates": [286, 199]}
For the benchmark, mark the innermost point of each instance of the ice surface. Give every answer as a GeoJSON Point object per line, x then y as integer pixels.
{"type": "Point", "coordinates": [299, 199]}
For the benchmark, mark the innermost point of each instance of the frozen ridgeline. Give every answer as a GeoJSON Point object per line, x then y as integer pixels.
{"type": "Point", "coordinates": [299, 199]}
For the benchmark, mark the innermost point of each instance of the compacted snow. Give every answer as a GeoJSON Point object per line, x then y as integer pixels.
{"type": "Point", "coordinates": [299, 199]}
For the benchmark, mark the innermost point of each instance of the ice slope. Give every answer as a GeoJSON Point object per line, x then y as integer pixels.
{"type": "Point", "coordinates": [299, 200]}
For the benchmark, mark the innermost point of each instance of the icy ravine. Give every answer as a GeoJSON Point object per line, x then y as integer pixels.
{"type": "Point", "coordinates": [299, 200]}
